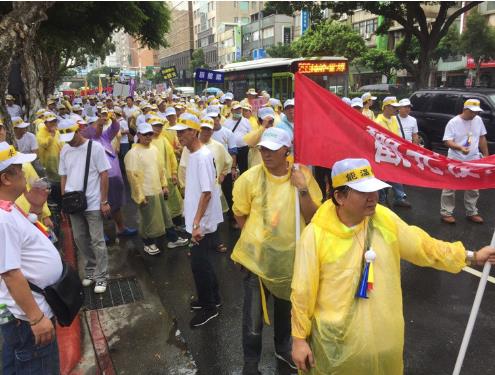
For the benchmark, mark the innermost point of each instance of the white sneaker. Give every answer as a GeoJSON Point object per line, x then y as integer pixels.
{"type": "Point", "coordinates": [151, 250]}
{"type": "Point", "coordinates": [180, 242]}
{"type": "Point", "coordinates": [87, 281]}
{"type": "Point", "coordinates": [101, 287]}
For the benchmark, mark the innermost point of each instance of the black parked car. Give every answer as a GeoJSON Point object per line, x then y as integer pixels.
{"type": "Point", "coordinates": [433, 108]}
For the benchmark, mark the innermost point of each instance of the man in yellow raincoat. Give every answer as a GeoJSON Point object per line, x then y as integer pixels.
{"type": "Point", "coordinates": [334, 330]}
{"type": "Point", "coordinates": [264, 207]}
{"type": "Point", "coordinates": [48, 139]}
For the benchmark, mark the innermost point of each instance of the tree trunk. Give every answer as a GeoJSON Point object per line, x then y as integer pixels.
{"type": "Point", "coordinates": [15, 27]}
{"type": "Point", "coordinates": [32, 73]}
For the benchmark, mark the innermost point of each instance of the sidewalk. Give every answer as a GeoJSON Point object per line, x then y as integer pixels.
{"type": "Point", "coordinates": [139, 337]}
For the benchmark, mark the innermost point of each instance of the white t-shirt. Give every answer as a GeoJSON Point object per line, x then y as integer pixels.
{"type": "Point", "coordinates": [124, 127]}
{"type": "Point", "coordinates": [241, 130]}
{"type": "Point", "coordinates": [25, 247]}
{"type": "Point", "coordinates": [201, 176]}
{"type": "Point", "coordinates": [225, 137]}
{"type": "Point", "coordinates": [459, 130]}
{"type": "Point", "coordinates": [90, 110]}
{"type": "Point", "coordinates": [14, 110]}
{"type": "Point", "coordinates": [27, 144]}
{"type": "Point", "coordinates": [128, 111]}
{"type": "Point", "coordinates": [72, 164]}
{"type": "Point", "coordinates": [409, 125]}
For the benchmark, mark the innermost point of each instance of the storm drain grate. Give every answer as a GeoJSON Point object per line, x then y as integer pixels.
{"type": "Point", "coordinates": [119, 292]}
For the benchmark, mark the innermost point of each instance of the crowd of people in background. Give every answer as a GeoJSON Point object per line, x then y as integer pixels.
{"type": "Point", "coordinates": [190, 162]}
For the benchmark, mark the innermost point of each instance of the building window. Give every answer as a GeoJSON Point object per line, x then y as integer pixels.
{"type": "Point", "coordinates": [256, 35]}
{"type": "Point", "coordinates": [490, 5]}
{"type": "Point", "coordinates": [244, 6]}
{"type": "Point", "coordinates": [269, 32]}
{"type": "Point", "coordinates": [236, 19]}
{"type": "Point", "coordinates": [367, 27]}
{"type": "Point", "coordinates": [235, 4]}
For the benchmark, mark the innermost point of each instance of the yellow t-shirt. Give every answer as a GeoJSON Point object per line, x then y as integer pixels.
{"type": "Point", "coordinates": [390, 124]}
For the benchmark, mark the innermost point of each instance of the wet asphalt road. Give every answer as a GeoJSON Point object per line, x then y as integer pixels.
{"type": "Point", "coordinates": [436, 304]}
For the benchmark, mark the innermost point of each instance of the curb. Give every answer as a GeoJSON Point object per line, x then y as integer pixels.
{"type": "Point", "coordinates": [69, 338]}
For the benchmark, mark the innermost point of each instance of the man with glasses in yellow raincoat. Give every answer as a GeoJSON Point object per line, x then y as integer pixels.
{"type": "Point", "coordinates": [342, 324]}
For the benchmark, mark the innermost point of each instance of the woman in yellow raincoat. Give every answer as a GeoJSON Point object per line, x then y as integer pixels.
{"type": "Point", "coordinates": [342, 324]}
{"type": "Point", "coordinates": [264, 207]}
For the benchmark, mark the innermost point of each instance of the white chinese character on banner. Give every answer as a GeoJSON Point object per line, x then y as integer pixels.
{"type": "Point", "coordinates": [201, 74]}
{"type": "Point", "coordinates": [387, 149]}
{"type": "Point", "coordinates": [423, 161]}
{"type": "Point", "coordinates": [218, 77]}
{"type": "Point", "coordinates": [461, 171]}
{"type": "Point", "coordinates": [210, 75]}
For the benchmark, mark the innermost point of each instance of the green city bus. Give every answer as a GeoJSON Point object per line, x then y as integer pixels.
{"type": "Point", "coordinates": [276, 75]}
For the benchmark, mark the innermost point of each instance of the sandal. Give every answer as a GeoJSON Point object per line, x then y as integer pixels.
{"type": "Point", "coordinates": [222, 248]}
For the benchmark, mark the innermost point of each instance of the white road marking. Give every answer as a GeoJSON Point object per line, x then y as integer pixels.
{"type": "Point", "coordinates": [474, 272]}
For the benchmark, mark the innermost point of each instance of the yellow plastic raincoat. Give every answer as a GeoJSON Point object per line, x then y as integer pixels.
{"type": "Point", "coordinates": [145, 171]}
{"type": "Point", "coordinates": [350, 335]}
{"type": "Point", "coordinates": [252, 139]}
{"type": "Point", "coordinates": [49, 152]}
{"type": "Point", "coordinates": [390, 124]}
{"type": "Point", "coordinates": [174, 201]}
{"type": "Point", "coordinates": [369, 113]}
{"type": "Point", "coordinates": [267, 242]}
{"type": "Point", "coordinates": [22, 202]}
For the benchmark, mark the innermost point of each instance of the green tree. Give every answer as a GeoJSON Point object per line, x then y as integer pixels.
{"type": "Point", "coordinates": [281, 50]}
{"type": "Point", "coordinates": [380, 61]}
{"type": "Point", "coordinates": [76, 31]}
{"type": "Point", "coordinates": [93, 76]}
{"type": "Point", "coordinates": [198, 59]}
{"type": "Point", "coordinates": [330, 38]}
{"type": "Point", "coordinates": [478, 40]}
{"type": "Point", "coordinates": [412, 17]}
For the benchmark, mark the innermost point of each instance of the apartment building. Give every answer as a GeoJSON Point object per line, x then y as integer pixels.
{"type": "Point", "coordinates": [209, 15]}
{"type": "Point", "coordinates": [180, 39]}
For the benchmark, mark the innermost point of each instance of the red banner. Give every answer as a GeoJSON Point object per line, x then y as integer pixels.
{"type": "Point", "coordinates": [328, 130]}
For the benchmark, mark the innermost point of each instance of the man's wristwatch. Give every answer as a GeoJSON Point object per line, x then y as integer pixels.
{"type": "Point", "coordinates": [195, 226]}
{"type": "Point", "coordinates": [104, 203]}
{"type": "Point", "coordinates": [470, 257]}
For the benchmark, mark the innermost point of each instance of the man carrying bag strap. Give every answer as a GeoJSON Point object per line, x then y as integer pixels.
{"type": "Point", "coordinates": [75, 201]}
{"type": "Point", "coordinates": [87, 224]}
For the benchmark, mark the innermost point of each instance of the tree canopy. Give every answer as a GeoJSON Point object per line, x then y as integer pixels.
{"type": "Point", "coordinates": [412, 16]}
{"type": "Point", "coordinates": [478, 40]}
{"type": "Point", "coordinates": [380, 61]}
{"type": "Point", "coordinates": [281, 50]}
{"type": "Point", "coordinates": [330, 38]}
{"type": "Point", "coordinates": [198, 59]}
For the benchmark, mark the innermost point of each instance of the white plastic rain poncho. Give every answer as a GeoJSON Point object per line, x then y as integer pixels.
{"type": "Point", "coordinates": [350, 335]}
{"type": "Point", "coordinates": [267, 242]}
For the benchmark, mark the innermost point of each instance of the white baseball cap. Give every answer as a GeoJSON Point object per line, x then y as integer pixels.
{"type": "Point", "coordinates": [473, 105]}
{"type": "Point", "coordinates": [207, 122]}
{"type": "Point", "coordinates": [18, 122]}
{"type": "Point", "coordinates": [357, 174]}
{"type": "Point", "coordinates": [346, 100]}
{"type": "Point", "coordinates": [9, 155]}
{"type": "Point", "coordinates": [405, 103]}
{"type": "Point", "coordinates": [212, 111]}
{"type": "Point", "coordinates": [186, 121]}
{"type": "Point", "coordinates": [170, 111]}
{"type": "Point", "coordinates": [67, 128]}
{"type": "Point", "coordinates": [367, 96]}
{"type": "Point", "coordinates": [229, 96]}
{"type": "Point", "coordinates": [357, 102]}
{"type": "Point", "coordinates": [265, 112]}
{"type": "Point", "coordinates": [289, 102]}
{"type": "Point", "coordinates": [144, 128]}
{"type": "Point", "coordinates": [275, 138]}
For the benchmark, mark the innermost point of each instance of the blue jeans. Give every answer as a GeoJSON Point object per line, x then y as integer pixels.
{"type": "Point", "coordinates": [20, 356]}
{"type": "Point", "coordinates": [399, 193]}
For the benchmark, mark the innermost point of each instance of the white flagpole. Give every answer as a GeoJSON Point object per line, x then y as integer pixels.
{"type": "Point", "coordinates": [473, 315]}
